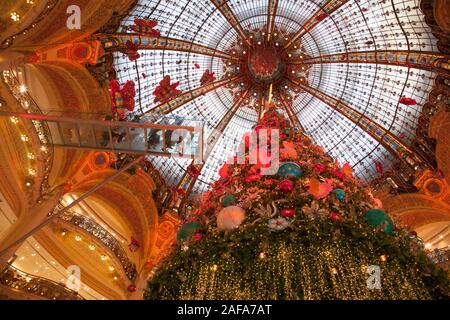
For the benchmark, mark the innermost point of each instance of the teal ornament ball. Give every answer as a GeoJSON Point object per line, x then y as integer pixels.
{"type": "Point", "coordinates": [379, 219]}
{"type": "Point", "coordinates": [287, 131]}
{"type": "Point", "coordinates": [187, 230]}
{"type": "Point", "coordinates": [296, 129]}
{"type": "Point", "coordinates": [227, 200]}
{"type": "Point", "coordinates": [289, 170]}
{"type": "Point", "coordinates": [340, 194]}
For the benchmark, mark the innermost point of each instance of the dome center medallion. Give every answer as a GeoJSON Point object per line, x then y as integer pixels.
{"type": "Point", "coordinates": [265, 65]}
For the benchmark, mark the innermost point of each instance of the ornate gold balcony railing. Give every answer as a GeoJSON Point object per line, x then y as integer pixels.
{"type": "Point", "coordinates": [51, 4]}
{"type": "Point", "coordinates": [93, 229]}
{"type": "Point", "coordinates": [26, 283]}
{"type": "Point", "coordinates": [30, 106]}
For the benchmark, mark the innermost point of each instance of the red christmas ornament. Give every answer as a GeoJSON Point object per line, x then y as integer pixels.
{"type": "Point", "coordinates": [132, 288]}
{"type": "Point", "coordinates": [335, 216]}
{"type": "Point", "coordinates": [286, 185]}
{"type": "Point", "coordinates": [408, 101]}
{"type": "Point", "coordinates": [288, 213]}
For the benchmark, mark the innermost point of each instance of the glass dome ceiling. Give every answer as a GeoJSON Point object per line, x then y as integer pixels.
{"type": "Point", "coordinates": [372, 89]}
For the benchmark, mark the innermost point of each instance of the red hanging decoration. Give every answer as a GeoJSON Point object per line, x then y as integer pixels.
{"type": "Point", "coordinates": [134, 245]}
{"type": "Point", "coordinates": [129, 93]}
{"type": "Point", "coordinates": [131, 50]}
{"type": "Point", "coordinates": [408, 101]}
{"type": "Point", "coordinates": [145, 26]}
{"type": "Point", "coordinates": [193, 171]}
{"type": "Point", "coordinates": [122, 99]}
{"type": "Point", "coordinates": [132, 288]}
{"type": "Point", "coordinates": [207, 77]}
{"type": "Point", "coordinates": [197, 66]}
{"type": "Point", "coordinates": [166, 91]}
{"type": "Point", "coordinates": [322, 16]}
{"type": "Point", "coordinates": [379, 168]}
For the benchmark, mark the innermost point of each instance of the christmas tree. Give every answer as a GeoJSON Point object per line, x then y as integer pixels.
{"type": "Point", "coordinates": [310, 231]}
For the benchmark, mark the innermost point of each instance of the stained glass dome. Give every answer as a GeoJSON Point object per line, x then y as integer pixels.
{"type": "Point", "coordinates": [326, 37]}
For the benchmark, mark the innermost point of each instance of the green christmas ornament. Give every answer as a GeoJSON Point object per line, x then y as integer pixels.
{"type": "Point", "coordinates": [187, 230]}
{"type": "Point", "coordinates": [227, 200]}
{"type": "Point", "coordinates": [289, 170]}
{"type": "Point", "coordinates": [340, 194]}
{"type": "Point", "coordinates": [287, 131]}
{"type": "Point", "coordinates": [379, 219]}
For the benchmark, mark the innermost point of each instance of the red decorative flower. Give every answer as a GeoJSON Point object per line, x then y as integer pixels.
{"type": "Point", "coordinates": [338, 174]}
{"type": "Point", "coordinates": [225, 171]}
{"type": "Point", "coordinates": [319, 167]}
{"type": "Point", "coordinates": [288, 213]}
{"type": "Point", "coordinates": [286, 185]}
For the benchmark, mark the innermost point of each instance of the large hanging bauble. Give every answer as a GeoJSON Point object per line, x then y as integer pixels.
{"type": "Point", "coordinates": [230, 218]}
{"type": "Point", "coordinates": [227, 200]}
{"type": "Point", "coordinates": [289, 170]}
{"type": "Point", "coordinates": [379, 219]}
{"type": "Point", "coordinates": [187, 230]}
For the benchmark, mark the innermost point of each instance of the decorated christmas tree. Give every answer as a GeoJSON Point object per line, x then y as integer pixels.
{"type": "Point", "coordinates": [310, 231]}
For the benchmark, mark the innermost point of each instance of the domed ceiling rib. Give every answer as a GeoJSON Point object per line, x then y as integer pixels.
{"type": "Point", "coordinates": [411, 59]}
{"type": "Point", "coordinates": [325, 10]}
{"type": "Point", "coordinates": [117, 41]}
{"type": "Point", "coordinates": [271, 15]}
{"type": "Point", "coordinates": [222, 6]}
